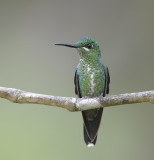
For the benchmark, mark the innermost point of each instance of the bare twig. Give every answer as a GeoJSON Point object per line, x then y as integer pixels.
{"type": "Point", "coordinates": [75, 104]}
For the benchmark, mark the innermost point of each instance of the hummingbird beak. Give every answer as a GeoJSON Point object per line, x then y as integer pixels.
{"type": "Point", "coordinates": [67, 45]}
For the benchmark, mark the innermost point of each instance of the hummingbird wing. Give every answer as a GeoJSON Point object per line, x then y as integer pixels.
{"type": "Point", "coordinates": [107, 80]}
{"type": "Point", "coordinates": [76, 83]}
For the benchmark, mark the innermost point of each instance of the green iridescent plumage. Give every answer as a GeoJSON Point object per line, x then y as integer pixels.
{"type": "Point", "coordinates": [91, 80]}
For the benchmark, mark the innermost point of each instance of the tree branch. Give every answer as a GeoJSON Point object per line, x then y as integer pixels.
{"type": "Point", "coordinates": [75, 104]}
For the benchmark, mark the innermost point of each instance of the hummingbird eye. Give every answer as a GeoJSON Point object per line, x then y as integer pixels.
{"type": "Point", "coordinates": [89, 46]}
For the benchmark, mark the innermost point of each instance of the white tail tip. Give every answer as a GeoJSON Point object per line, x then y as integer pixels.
{"type": "Point", "coordinates": [90, 145]}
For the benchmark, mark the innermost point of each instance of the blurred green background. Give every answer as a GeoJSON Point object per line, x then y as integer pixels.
{"type": "Point", "coordinates": [29, 61]}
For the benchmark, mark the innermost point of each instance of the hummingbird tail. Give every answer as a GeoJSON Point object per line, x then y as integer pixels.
{"type": "Point", "coordinates": [91, 126]}
{"type": "Point", "coordinates": [87, 140]}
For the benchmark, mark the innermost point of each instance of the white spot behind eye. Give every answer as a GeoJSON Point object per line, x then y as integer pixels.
{"type": "Point", "coordinates": [85, 48]}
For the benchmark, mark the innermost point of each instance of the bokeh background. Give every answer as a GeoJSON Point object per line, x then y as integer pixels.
{"type": "Point", "coordinates": [29, 61]}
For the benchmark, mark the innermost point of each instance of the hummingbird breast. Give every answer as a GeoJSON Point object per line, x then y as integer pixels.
{"type": "Point", "coordinates": [91, 79]}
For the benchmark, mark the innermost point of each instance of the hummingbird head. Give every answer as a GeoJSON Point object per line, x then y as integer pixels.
{"type": "Point", "coordinates": [86, 47]}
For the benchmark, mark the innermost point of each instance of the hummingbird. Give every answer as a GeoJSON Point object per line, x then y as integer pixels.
{"type": "Point", "coordinates": [91, 80]}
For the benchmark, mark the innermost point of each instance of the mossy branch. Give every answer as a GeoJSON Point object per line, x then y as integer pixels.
{"type": "Point", "coordinates": [75, 104]}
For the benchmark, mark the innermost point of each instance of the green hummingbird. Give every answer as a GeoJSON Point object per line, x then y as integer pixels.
{"type": "Point", "coordinates": [91, 79]}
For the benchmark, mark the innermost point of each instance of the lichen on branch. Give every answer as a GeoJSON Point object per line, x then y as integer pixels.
{"type": "Point", "coordinates": [75, 104]}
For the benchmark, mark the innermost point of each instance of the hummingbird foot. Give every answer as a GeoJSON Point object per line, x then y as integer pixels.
{"type": "Point", "coordinates": [101, 98]}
